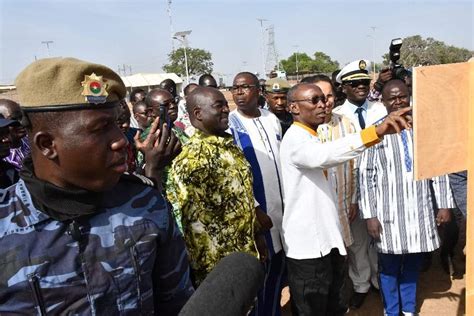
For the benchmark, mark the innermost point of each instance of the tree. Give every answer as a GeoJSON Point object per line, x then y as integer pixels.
{"type": "Point", "coordinates": [321, 63]}
{"type": "Point", "coordinates": [199, 62]}
{"type": "Point", "coordinates": [417, 51]}
{"type": "Point", "coordinates": [304, 63]}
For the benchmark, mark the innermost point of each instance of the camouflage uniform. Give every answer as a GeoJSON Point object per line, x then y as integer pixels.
{"type": "Point", "coordinates": [127, 259]}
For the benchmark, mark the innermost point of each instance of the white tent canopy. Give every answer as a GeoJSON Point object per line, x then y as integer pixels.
{"type": "Point", "coordinates": [150, 80]}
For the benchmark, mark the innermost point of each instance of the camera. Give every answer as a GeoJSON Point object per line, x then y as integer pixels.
{"type": "Point", "coordinates": [398, 71]}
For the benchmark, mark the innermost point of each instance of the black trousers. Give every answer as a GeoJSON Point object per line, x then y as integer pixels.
{"type": "Point", "coordinates": [319, 286]}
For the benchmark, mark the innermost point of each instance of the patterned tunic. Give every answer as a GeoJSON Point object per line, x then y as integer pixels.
{"type": "Point", "coordinates": [259, 138]}
{"type": "Point", "coordinates": [403, 206]}
{"type": "Point", "coordinates": [211, 187]}
{"type": "Point", "coordinates": [18, 154]}
{"type": "Point", "coordinates": [343, 178]}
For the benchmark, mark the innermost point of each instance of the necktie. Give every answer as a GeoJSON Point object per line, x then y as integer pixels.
{"type": "Point", "coordinates": [359, 112]}
{"type": "Point", "coordinates": [405, 149]}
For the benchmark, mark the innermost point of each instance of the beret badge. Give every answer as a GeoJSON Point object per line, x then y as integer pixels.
{"type": "Point", "coordinates": [94, 89]}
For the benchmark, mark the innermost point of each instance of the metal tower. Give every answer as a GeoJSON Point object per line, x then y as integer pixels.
{"type": "Point", "coordinates": [272, 60]}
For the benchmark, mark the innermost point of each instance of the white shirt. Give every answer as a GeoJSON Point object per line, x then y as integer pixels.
{"type": "Point", "coordinates": [373, 112]}
{"type": "Point", "coordinates": [260, 138]}
{"type": "Point", "coordinates": [311, 226]}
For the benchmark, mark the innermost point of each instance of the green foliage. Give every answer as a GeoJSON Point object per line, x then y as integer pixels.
{"type": "Point", "coordinates": [417, 51]}
{"type": "Point", "coordinates": [199, 62]}
{"type": "Point", "coordinates": [320, 63]}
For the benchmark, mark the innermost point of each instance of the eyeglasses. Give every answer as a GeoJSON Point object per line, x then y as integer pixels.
{"type": "Point", "coordinates": [244, 87]}
{"type": "Point", "coordinates": [314, 100]}
{"type": "Point", "coordinates": [356, 83]}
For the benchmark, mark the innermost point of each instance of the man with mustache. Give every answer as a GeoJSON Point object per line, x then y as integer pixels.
{"type": "Point", "coordinates": [20, 147]}
{"type": "Point", "coordinates": [355, 81]}
{"type": "Point", "coordinates": [211, 186]}
{"type": "Point", "coordinates": [312, 235]}
{"type": "Point", "coordinates": [80, 236]}
{"type": "Point", "coordinates": [398, 210]}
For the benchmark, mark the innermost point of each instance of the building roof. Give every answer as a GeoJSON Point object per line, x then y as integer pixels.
{"type": "Point", "coordinates": [151, 79]}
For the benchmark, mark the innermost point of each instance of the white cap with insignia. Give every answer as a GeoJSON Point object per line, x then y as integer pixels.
{"type": "Point", "coordinates": [356, 70]}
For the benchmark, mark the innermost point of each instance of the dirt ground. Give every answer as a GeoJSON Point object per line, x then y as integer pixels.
{"type": "Point", "coordinates": [438, 294]}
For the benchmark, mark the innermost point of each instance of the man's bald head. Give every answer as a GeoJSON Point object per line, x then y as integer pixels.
{"type": "Point", "coordinates": [200, 96]}
{"type": "Point", "coordinates": [207, 80]}
{"type": "Point", "coordinates": [208, 110]}
{"type": "Point", "coordinates": [156, 96]}
{"type": "Point", "coordinates": [8, 108]}
{"type": "Point", "coordinates": [393, 83]}
{"type": "Point", "coordinates": [169, 85]}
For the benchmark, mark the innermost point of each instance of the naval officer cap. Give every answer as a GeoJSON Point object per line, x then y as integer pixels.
{"type": "Point", "coordinates": [277, 85]}
{"type": "Point", "coordinates": [356, 70]}
{"type": "Point", "coordinates": [58, 84]}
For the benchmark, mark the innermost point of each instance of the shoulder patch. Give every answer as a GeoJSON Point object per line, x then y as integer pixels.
{"type": "Point", "coordinates": [137, 178]}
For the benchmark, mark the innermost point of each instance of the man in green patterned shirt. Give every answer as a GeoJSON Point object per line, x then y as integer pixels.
{"type": "Point", "coordinates": [212, 188]}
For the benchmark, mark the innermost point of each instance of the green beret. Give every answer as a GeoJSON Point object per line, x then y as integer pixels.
{"type": "Point", "coordinates": [56, 84]}
{"type": "Point", "coordinates": [277, 85]}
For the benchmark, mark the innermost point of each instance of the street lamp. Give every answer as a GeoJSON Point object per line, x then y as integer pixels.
{"type": "Point", "coordinates": [296, 55]}
{"type": "Point", "coordinates": [181, 36]}
{"type": "Point", "coordinates": [47, 45]}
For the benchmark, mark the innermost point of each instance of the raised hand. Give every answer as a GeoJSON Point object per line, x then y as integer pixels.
{"type": "Point", "coordinates": [395, 122]}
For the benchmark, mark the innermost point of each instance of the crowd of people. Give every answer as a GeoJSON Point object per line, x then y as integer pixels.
{"type": "Point", "coordinates": [123, 205]}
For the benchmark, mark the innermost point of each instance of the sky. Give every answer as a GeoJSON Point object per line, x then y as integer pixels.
{"type": "Point", "coordinates": [137, 32]}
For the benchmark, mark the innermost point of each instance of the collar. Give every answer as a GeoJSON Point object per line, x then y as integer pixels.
{"type": "Point", "coordinates": [307, 128]}
{"type": "Point", "coordinates": [31, 214]}
{"type": "Point", "coordinates": [353, 108]}
{"type": "Point", "coordinates": [212, 139]}
{"type": "Point", "coordinates": [59, 203]}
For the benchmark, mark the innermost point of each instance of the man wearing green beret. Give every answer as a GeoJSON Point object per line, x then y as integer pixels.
{"type": "Point", "coordinates": [275, 95]}
{"type": "Point", "coordinates": [78, 236]}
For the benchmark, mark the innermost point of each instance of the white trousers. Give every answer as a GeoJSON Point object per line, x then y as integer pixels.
{"type": "Point", "coordinates": [362, 258]}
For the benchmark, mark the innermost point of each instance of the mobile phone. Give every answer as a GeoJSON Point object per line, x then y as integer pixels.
{"type": "Point", "coordinates": [164, 116]}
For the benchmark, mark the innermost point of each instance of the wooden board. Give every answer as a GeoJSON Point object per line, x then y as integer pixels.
{"type": "Point", "coordinates": [440, 118]}
{"type": "Point", "coordinates": [470, 203]}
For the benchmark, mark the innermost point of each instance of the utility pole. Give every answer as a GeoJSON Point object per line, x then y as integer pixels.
{"type": "Point", "coordinates": [171, 25]}
{"type": "Point", "coordinates": [296, 55]}
{"type": "Point", "coordinates": [263, 46]}
{"type": "Point", "coordinates": [47, 45]}
{"type": "Point", "coordinates": [373, 56]}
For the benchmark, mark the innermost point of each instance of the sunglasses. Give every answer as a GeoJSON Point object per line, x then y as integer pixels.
{"type": "Point", "coordinates": [356, 83]}
{"type": "Point", "coordinates": [314, 100]}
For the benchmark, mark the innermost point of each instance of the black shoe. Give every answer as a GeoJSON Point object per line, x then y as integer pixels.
{"type": "Point", "coordinates": [357, 300]}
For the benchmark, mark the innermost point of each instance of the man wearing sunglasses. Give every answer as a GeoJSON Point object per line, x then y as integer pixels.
{"type": "Point", "coordinates": [355, 81]}
{"type": "Point", "coordinates": [313, 240]}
